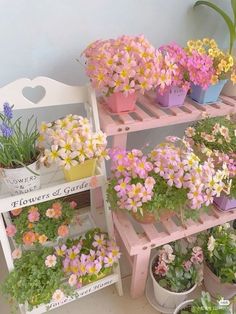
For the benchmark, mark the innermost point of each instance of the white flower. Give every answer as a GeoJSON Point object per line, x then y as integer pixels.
{"type": "Point", "coordinates": [16, 254]}
{"type": "Point", "coordinates": [168, 248]}
{"type": "Point", "coordinates": [226, 225]}
{"type": "Point", "coordinates": [72, 280]}
{"type": "Point", "coordinates": [51, 261]}
{"type": "Point", "coordinates": [211, 243]}
{"type": "Point", "coordinates": [58, 296]}
{"type": "Point", "coordinates": [190, 132]}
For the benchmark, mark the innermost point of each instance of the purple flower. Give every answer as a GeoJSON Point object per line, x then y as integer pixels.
{"type": "Point", "coordinates": [6, 130]}
{"type": "Point", "coordinates": [7, 111]}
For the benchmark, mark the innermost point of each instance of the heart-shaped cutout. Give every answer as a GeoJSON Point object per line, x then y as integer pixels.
{"type": "Point", "coordinates": [34, 94]}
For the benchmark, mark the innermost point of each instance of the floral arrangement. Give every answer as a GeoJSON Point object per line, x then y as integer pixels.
{"type": "Point", "coordinates": [178, 267]}
{"type": "Point", "coordinates": [222, 62]}
{"type": "Point", "coordinates": [38, 224]}
{"type": "Point", "coordinates": [216, 138]}
{"type": "Point", "coordinates": [170, 178]}
{"type": "Point", "coordinates": [89, 258]}
{"type": "Point", "coordinates": [18, 145]}
{"type": "Point", "coordinates": [219, 246]}
{"type": "Point", "coordinates": [71, 141]}
{"type": "Point", "coordinates": [50, 274]}
{"type": "Point", "coordinates": [126, 64]}
{"type": "Point", "coordinates": [204, 305]}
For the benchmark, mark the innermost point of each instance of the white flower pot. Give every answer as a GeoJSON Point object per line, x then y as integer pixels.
{"type": "Point", "coordinates": [165, 297]}
{"type": "Point", "coordinates": [215, 287]}
{"type": "Point", "coordinates": [21, 180]}
{"type": "Point", "coordinates": [182, 306]}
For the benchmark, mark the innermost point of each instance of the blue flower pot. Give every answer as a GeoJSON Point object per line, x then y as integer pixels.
{"type": "Point", "coordinates": [204, 96]}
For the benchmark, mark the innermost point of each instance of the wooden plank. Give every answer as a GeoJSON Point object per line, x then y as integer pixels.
{"type": "Point", "coordinates": [126, 118]}
{"type": "Point", "coordinates": [143, 116]}
{"type": "Point", "coordinates": [107, 123]}
{"type": "Point", "coordinates": [151, 231]}
{"type": "Point", "coordinates": [170, 226]}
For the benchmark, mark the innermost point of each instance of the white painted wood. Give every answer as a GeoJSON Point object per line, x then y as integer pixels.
{"type": "Point", "coordinates": [53, 184]}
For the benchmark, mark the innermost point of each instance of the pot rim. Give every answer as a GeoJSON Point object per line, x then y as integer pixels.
{"type": "Point", "coordinates": [21, 167]}
{"type": "Point", "coordinates": [180, 306]}
{"type": "Point", "coordinates": [170, 292]}
{"type": "Point", "coordinates": [217, 278]}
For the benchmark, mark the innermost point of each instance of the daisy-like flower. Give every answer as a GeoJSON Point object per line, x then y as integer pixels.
{"type": "Point", "coordinates": [190, 132]}
{"type": "Point", "coordinates": [58, 296]}
{"type": "Point", "coordinates": [68, 159]}
{"type": "Point", "coordinates": [73, 280]}
{"type": "Point", "coordinates": [109, 260]}
{"type": "Point", "coordinates": [50, 261]}
{"type": "Point", "coordinates": [99, 240]}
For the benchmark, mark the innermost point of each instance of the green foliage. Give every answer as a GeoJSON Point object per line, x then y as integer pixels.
{"type": "Point", "coordinates": [31, 281]}
{"type": "Point", "coordinates": [231, 23]}
{"type": "Point", "coordinates": [19, 149]}
{"type": "Point", "coordinates": [45, 225]}
{"type": "Point", "coordinates": [219, 246]}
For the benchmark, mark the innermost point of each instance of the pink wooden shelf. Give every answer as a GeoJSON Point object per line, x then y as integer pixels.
{"type": "Point", "coordinates": [149, 115]}
{"type": "Point", "coordinates": [138, 239]}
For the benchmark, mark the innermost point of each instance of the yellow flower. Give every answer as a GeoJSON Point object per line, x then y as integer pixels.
{"type": "Point", "coordinates": [199, 43]}
{"type": "Point", "coordinates": [213, 43]}
{"type": "Point", "coordinates": [214, 79]}
{"type": "Point", "coordinates": [206, 41]}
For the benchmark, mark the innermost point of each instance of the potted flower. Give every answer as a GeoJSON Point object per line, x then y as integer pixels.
{"type": "Point", "coordinates": [175, 271]}
{"type": "Point", "coordinates": [120, 68]}
{"type": "Point", "coordinates": [89, 258]}
{"type": "Point", "coordinates": [169, 179]}
{"type": "Point", "coordinates": [51, 274]}
{"type": "Point", "coordinates": [42, 224]}
{"type": "Point", "coordinates": [216, 138]}
{"type": "Point", "coordinates": [203, 305]}
{"type": "Point", "coordinates": [219, 71]}
{"type": "Point", "coordinates": [18, 153]}
{"type": "Point", "coordinates": [219, 246]}
{"type": "Point", "coordinates": [71, 143]}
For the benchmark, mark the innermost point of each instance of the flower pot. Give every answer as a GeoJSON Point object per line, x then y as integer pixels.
{"type": "Point", "coordinates": [211, 94]}
{"type": "Point", "coordinates": [119, 102]}
{"type": "Point", "coordinates": [229, 89]}
{"type": "Point", "coordinates": [225, 203]}
{"type": "Point", "coordinates": [215, 287]}
{"type": "Point", "coordinates": [165, 297]}
{"type": "Point", "coordinates": [184, 305]}
{"type": "Point", "coordinates": [174, 96]}
{"type": "Point", "coordinates": [22, 180]}
{"type": "Point", "coordinates": [146, 218]}
{"type": "Point", "coordinates": [80, 171]}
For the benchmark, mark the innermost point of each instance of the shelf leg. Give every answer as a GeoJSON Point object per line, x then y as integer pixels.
{"type": "Point", "coordinates": [5, 245]}
{"type": "Point", "coordinates": [119, 140]}
{"type": "Point", "coordinates": [140, 273]}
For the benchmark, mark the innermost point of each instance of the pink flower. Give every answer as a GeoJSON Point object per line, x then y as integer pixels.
{"type": "Point", "coordinates": [11, 230]}
{"type": "Point", "coordinates": [51, 261]}
{"type": "Point", "coordinates": [161, 269]}
{"type": "Point", "coordinates": [72, 280]}
{"type": "Point", "coordinates": [33, 216]}
{"type": "Point", "coordinates": [197, 255]}
{"type": "Point", "coordinates": [187, 265]}
{"type": "Point", "coordinates": [73, 204]}
{"type": "Point", "coordinates": [16, 254]}
{"type": "Point", "coordinates": [58, 296]}
{"type": "Point", "coordinates": [63, 231]}
{"type": "Point", "coordinates": [149, 183]}
{"type": "Point", "coordinates": [50, 213]}
{"type": "Point", "coordinates": [16, 212]}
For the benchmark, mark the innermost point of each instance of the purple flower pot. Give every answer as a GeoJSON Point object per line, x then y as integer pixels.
{"type": "Point", "coordinates": [225, 203]}
{"type": "Point", "coordinates": [174, 96]}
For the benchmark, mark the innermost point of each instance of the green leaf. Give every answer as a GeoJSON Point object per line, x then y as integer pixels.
{"type": "Point", "coordinates": [227, 19]}
{"type": "Point", "coordinates": [233, 5]}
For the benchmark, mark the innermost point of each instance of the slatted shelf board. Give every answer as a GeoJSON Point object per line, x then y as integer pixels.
{"type": "Point", "coordinates": [148, 114]}
{"type": "Point", "coordinates": [139, 239]}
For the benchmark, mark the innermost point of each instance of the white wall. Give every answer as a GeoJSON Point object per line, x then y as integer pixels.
{"type": "Point", "coordinates": [45, 37]}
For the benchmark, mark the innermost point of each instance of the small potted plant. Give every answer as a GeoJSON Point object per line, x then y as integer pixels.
{"type": "Point", "coordinates": [203, 305]}
{"type": "Point", "coordinates": [175, 271]}
{"type": "Point", "coordinates": [216, 138]}
{"type": "Point", "coordinates": [71, 144]}
{"type": "Point", "coordinates": [18, 153]}
{"type": "Point", "coordinates": [170, 179]}
{"type": "Point", "coordinates": [42, 224]}
{"type": "Point", "coordinates": [219, 71]}
{"type": "Point", "coordinates": [120, 68]}
{"type": "Point", "coordinates": [89, 258]}
{"type": "Point", "coordinates": [219, 246]}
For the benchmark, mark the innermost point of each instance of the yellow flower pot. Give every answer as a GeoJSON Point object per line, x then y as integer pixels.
{"type": "Point", "coordinates": [80, 171]}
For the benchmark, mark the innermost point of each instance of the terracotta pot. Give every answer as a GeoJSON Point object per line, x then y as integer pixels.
{"type": "Point", "coordinates": [215, 287]}
{"type": "Point", "coordinates": [184, 305]}
{"type": "Point", "coordinates": [164, 297]}
{"type": "Point", "coordinates": [146, 218]}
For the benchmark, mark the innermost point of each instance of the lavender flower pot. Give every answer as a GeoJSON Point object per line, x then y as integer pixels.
{"type": "Point", "coordinates": [204, 96]}
{"type": "Point", "coordinates": [174, 96]}
{"type": "Point", "coordinates": [225, 203]}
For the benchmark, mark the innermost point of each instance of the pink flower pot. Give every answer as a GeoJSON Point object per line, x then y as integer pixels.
{"type": "Point", "coordinates": [215, 287]}
{"type": "Point", "coordinates": [225, 203]}
{"type": "Point", "coordinates": [174, 96]}
{"type": "Point", "coordinates": [119, 102]}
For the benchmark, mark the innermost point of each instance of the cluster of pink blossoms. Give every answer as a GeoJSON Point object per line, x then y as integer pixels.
{"type": "Point", "coordinates": [126, 64]}
{"type": "Point", "coordinates": [181, 168]}
{"type": "Point", "coordinates": [132, 165]}
{"type": "Point", "coordinates": [80, 266]}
